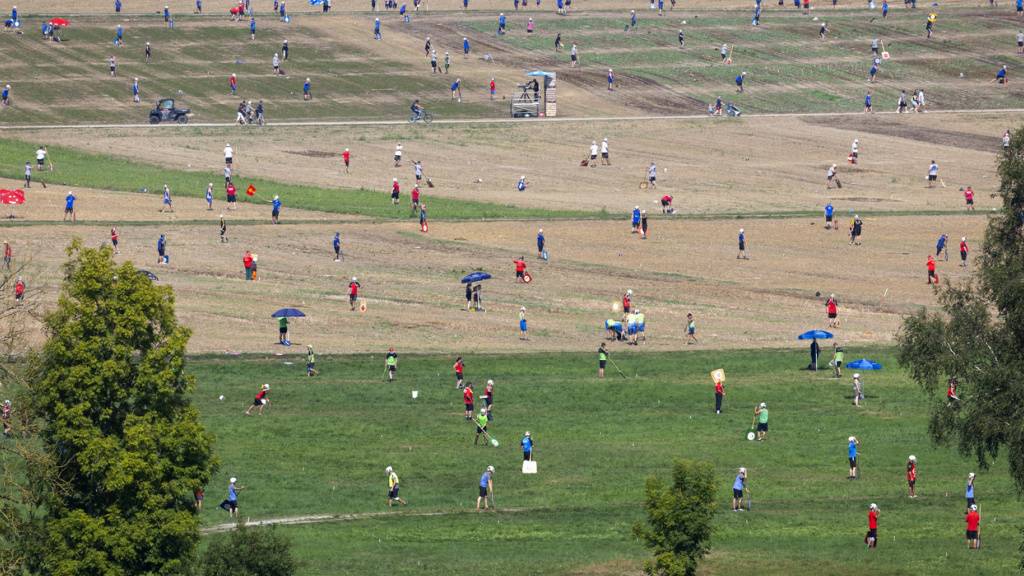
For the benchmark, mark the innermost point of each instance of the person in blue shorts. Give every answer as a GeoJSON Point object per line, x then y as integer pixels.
{"type": "Point", "coordinates": [522, 323]}
{"type": "Point", "coordinates": [614, 329]}
{"type": "Point", "coordinates": [457, 89]}
{"type": "Point", "coordinates": [252, 28]}
{"type": "Point", "coordinates": [336, 243]}
{"type": "Point", "coordinates": [739, 486]}
{"type": "Point", "coordinates": [465, 46]}
{"type": "Point", "coordinates": [167, 200]}
{"type": "Point", "coordinates": [540, 245]}
{"type": "Point", "coordinates": [636, 220]}
{"type": "Point", "coordinates": [501, 23]}
{"type": "Point", "coordinates": [161, 250]}
{"type": "Point", "coordinates": [209, 196]}
{"type": "Point", "coordinates": [631, 327]}
{"type": "Point", "coordinates": [376, 29]}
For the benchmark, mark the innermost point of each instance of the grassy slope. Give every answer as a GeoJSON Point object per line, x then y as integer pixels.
{"type": "Point", "coordinates": [326, 441]}
{"type": "Point", "coordinates": [77, 168]}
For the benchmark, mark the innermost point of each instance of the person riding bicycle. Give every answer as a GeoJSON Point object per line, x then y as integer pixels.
{"type": "Point", "coordinates": [417, 109]}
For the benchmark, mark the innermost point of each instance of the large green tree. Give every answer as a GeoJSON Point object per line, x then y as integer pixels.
{"type": "Point", "coordinates": [112, 399]}
{"type": "Point", "coordinates": [679, 516]}
{"type": "Point", "coordinates": [977, 337]}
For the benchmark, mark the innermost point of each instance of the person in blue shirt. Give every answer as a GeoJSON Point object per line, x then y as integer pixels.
{"type": "Point", "coordinates": [851, 455]}
{"type": "Point", "coordinates": [167, 13]}
{"type": "Point", "coordinates": [756, 21]}
{"type": "Point", "coordinates": [282, 12]}
{"type": "Point", "coordinates": [867, 102]}
{"type": "Point", "coordinates": [969, 492]}
{"type": "Point", "coordinates": [661, 7]}
{"type": "Point", "coordinates": [486, 487]}
{"type": "Point", "coordinates": [167, 200]}
{"type": "Point", "coordinates": [1001, 75]}
{"type": "Point", "coordinates": [465, 46]}
{"type": "Point", "coordinates": [5, 95]}
{"type": "Point", "coordinates": [1020, 7]}
{"type": "Point", "coordinates": [501, 23]}
{"type": "Point", "coordinates": [873, 72]}
{"type": "Point", "coordinates": [275, 209]}
{"type": "Point", "coordinates": [119, 37]}
{"type": "Point", "coordinates": [337, 246]}
{"type": "Point", "coordinates": [540, 244]}
{"type": "Point", "coordinates": [135, 90]}
{"type": "Point", "coordinates": [402, 12]}
{"type": "Point", "coordinates": [199, 6]}
{"type": "Point", "coordinates": [742, 239]}
{"type": "Point", "coordinates": [252, 28]}
{"type": "Point", "coordinates": [307, 94]}
{"type": "Point", "coordinates": [611, 79]}
{"type": "Point", "coordinates": [69, 206]}
{"type": "Point", "coordinates": [632, 19]}
{"type": "Point", "coordinates": [161, 250]}
{"type": "Point", "coordinates": [117, 6]}
{"type": "Point", "coordinates": [636, 220]}
{"type": "Point", "coordinates": [522, 184]}
{"type": "Point", "coordinates": [940, 247]}
{"type": "Point", "coordinates": [231, 503]}
{"type": "Point", "coordinates": [209, 196]}
{"type": "Point", "coordinates": [739, 485]}
{"type": "Point", "coordinates": [739, 82]}
{"type": "Point", "coordinates": [829, 212]}
{"type": "Point", "coordinates": [885, 8]}
{"type": "Point", "coordinates": [457, 89]}
{"type": "Point", "coordinates": [376, 29]}
{"type": "Point", "coordinates": [465, 4]}
{"type": "Point", "coordinates": [527, 444]}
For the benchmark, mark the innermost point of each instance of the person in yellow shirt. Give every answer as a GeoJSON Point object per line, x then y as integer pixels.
{"type": "Point", "coordinates": [393, 487]}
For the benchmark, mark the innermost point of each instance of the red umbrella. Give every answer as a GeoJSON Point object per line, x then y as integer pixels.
{"type": "Point", "coordinates": [12, 197]}
{"type": "Point", "coordinates": [59, 22]}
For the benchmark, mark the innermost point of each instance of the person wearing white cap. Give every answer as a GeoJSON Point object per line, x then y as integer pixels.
{"type": "Point", "coordinates": [741, 239]}
{"type": "Point", "coordinates": [739, 486]}
{"type": "Point", "coordinates": [527, 444]}
{"type": "Point", "coordinates": [395, 191]}
{"type": "Point", "coordinates": [761, 414]}
{"type": "Point", "coordinates": [858, 390]}
{"type": "Point", "coordinates": [636, 220]}
{"type": "Point", "coordinates": [871, 539]}
{"type": "Point", "coordinates": [522, 184]}
{"type": "Point", "coordinates": [488, 398]}
{"type": "Point", "coordinates": [851, 456]}
{"type": "Point", "coordinates": [229, 155]}
{"type": "Point", "coordinates": [973, 520]}
{"type": "Point", "coordinates": [830, 175]}
{"type": "Point", "coordinates": [963, 251]}
{"type": "Point", "coordinates": [969, 492]}
{"type": "Point", "coordinates": [911, 475]}
{"type": "Point", "coordinates": [854, 151]}
{"type": "Point", "coordinates": [230, 504]}
{"type": "Point", "coordinates": [353, 292]}
{"type": "Point", "coordinates": [398, 154]}
{"type": "Point", "coordinates": [652, 175]}
{"type": "Point", "coordinates": [393, 487]}
{"type": "Point", "coordinates": [522, 323]}
{"type": "Point", "coordinates": [486, 488]}
{"type": "Point", "coordinates": [604, 153]}
{"type": "Point", "coordinates": [593, 154]}
{"type": "Point", "coordinates": [260, 401]}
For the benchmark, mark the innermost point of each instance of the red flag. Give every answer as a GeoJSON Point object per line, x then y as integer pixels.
{"type": "Point", "coordinates": [251, 190]}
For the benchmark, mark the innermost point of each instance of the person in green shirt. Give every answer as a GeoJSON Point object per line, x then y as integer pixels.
{"type": "Point", "coordinates": [310, 361]}
{"type": "Point", "coordinates": [602, 359]}
{"type": "Point", "coordinates": [481, 425]}
{"type": "Point", "coordinates": [837, 359]}
{"type": "Point", "coordinates": [761, 413]}
{"type": "Point", "coordinates": [282, 330]}
{"type": "Point", "coordinates": [391, 363]}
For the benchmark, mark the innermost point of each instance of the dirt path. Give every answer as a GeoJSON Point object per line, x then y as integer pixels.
{"type": "Point", "coordinates": [332, 518]}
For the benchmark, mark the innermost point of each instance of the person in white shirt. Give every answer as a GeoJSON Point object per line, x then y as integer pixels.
{"type": "Point", "coordinates": [41, 157]}
{"type": "Point", "coordinates": [604, 153]}
{"type": "Point", "coordinates": [854, 151]}
{"type": "Point", "coordinates": [398, 154]}
{"type": "Point", "coordinates": [593, 153]}
{"type": "Point", "coordinates": [229, 155]}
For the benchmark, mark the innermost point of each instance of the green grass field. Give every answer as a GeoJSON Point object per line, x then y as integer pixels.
{"type": "Point", "coordinates": [78, 168]}
{"type": "Point", "coordinates": [324, 443]}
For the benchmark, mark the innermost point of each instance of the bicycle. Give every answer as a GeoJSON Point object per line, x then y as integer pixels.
{"type": "Point", "coordinates": [427, 117]}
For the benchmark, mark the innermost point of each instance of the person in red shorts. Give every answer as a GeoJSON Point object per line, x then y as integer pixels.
{"type": "Point", "coordinates": [353, 292]}
{"type": "Point", "coordinates": [932, 276]}
{"type": "Point", "coordinates": [520, 269]}
{"type": "Point", "coordinates": [973, 522]}
{"type": "Point", "coordinates": [346, 157]}
{"type": "Point", "coordinates": [467, 401]}
{"type": "Point", "coordinates": [871, 539]}
{"type": "Point", "coordinates": [459, 367]}
{"type": "Point", "coordinates": [911, 476]}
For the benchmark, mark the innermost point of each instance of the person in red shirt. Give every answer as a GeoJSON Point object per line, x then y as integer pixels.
{"type": "Point", "coordinates": [493, 86]}
{"type": "Point", "coordinates": [666, 205]}
{"type": "Point", "coordinates": [973, 521]}
{"type": "Point", "coordinates": [911, 476]}
{"type": "Point", "coordinates": [627, 301]}
{"type": "Point", "coordinates": [395, 191]}
{"type": "Point", "coordinates": [951, 390]}
{"type": "Point", "coordinates": [832, 310]}
{"type": "Point", "coordinates": [719, 394]}
{"type": "Point", "coordinates": [353, 292]}
{"type": "Point", "coordinates": [520, 269]}
{"type": "Point", "coordinates": [19, 290]}
{"type": "Point", "coordinates": [932, 276]}
{"type": "Point", "coordinates": [467, 401]}
{"type": "Point", "coordinates": [262, 399]}
{"type": "Point", "coordinates": [969, 199]}
{"type": "Point", "coordinates": [415, 198]}
{"type": "Point", "coordinates": [459, 366]}
{"type": "Point", "coordinates": [963, 251]}
{"type": "Point", "coordinates": [346, 157]}
{"type": "Point", "coordinates": [872, 536]}
{"type": "Point", "coordinates": [247, 262]}
{"type": "Point", "coordinates": [114, 237]}
{"type": "Point", "coordinates": [232, 193]}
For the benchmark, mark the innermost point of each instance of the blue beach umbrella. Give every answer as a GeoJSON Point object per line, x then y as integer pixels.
{"type": "Point", "coordinates": [864, 364]}
{"type": "Point", "coordinates": [475, 277]}
{"type": "Point", "coordinates": [812, 334]}
{"type": "Point", "coordinates": [288, 313]}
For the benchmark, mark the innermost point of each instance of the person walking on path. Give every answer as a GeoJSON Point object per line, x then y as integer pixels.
{"type": "Point", "coordinates": [393, 487]}
{"type": "Point", "coordinates": [963, 252]}
{"type": "Point", "coordinates": [336, 244]}
{"type": "Point", "coordinates": [486, 488]}
{"type": "Point", "coordinates": [973, 520]}
{"type": "Point", "coordinates": [761, 413]}
{"type": "Point", "coordinates": [871, 539]}
{"type": "Point", "coordinates": [719, 395]}
{"type": "Point", "coordinates": [346, 157]}
{"type": "Point", "coordinates": [527, 443]}
{"type": "Point", "coordinates": [851, 456]}
{"type": "Point", "coordinates": [391, 363]}
{"type": "Point", "coordinates": [912, 476]}
{"type": "Point", "coordinates": [230, 504]}
{"type": "Point", "coordinates": [739, 486]}
{"type": "Point", "coordinates": [602, 359]}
